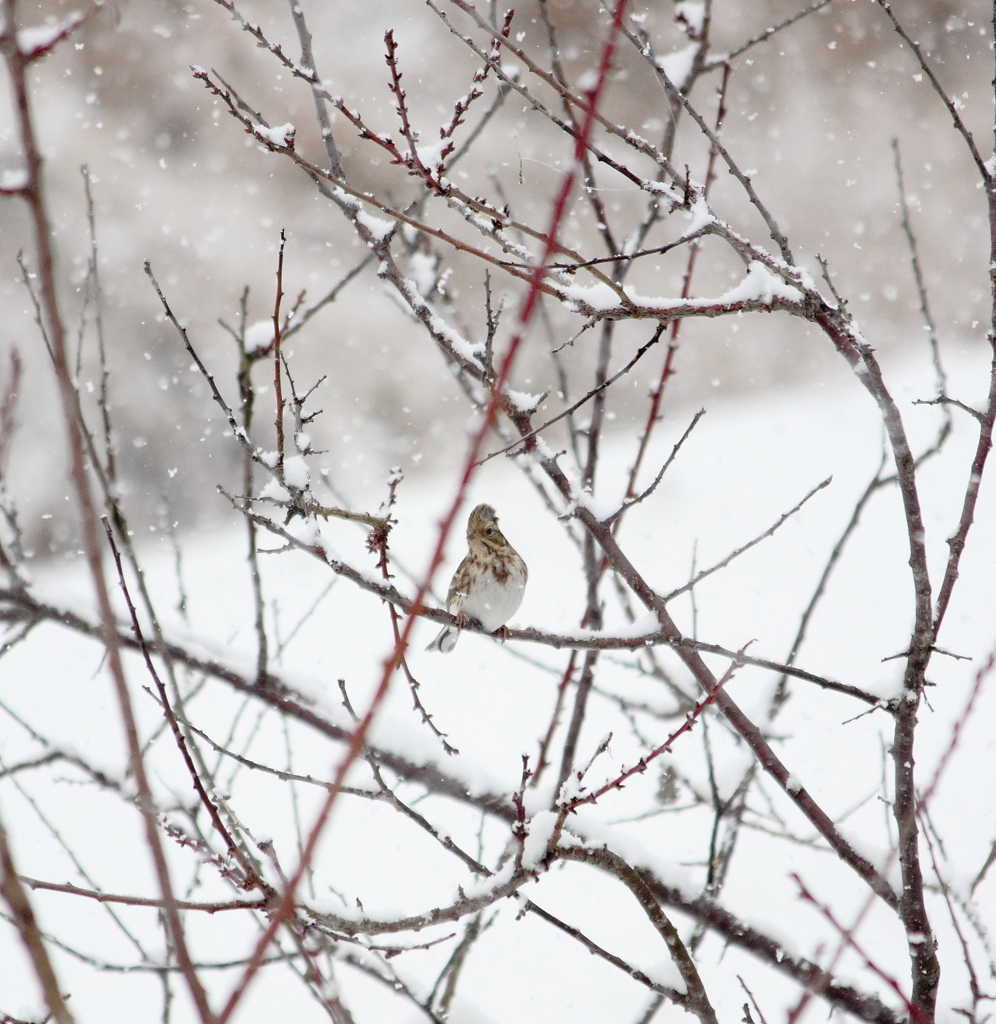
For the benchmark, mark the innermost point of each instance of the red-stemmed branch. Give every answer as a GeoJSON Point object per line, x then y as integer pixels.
{"type": "Point", "coordinates": [34, 196]}
{"type": "Point", "coordinates": [665, 748]}
{"type": "Point", "coordinates": [286, 907]}
{"type": "Point", "coordinates": [847, 937]}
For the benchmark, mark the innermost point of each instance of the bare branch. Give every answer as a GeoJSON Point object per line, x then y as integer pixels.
{"type": "Point", "coordinates": [751, 543]}
{"type": "Point", "coordinates": [20, 907]}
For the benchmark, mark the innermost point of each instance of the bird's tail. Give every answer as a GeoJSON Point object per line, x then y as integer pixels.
{"type": "Point", "coordinates": [445, 641]}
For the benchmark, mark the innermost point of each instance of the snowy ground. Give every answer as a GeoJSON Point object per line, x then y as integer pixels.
{"type": "Point", "coordinates": [750, 460]}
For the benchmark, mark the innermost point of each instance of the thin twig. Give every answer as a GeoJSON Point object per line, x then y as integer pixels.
{"type": "Point", "coordinates": [581, 401]}
{"type": "Point", "coordinates": [277, 379]}
{"type": "Point", "coordinates": [962, 130]}
{"type": "Point", "coordinates": [629, 503]}
{"type": "Point", "coordinates": [35, 196]}
{"type": "Point", "coordinates": [751, 543]}
{"type": "Point", "coordinates": [141, 901]}
{"type": "Point", "coordinates": [252, 878]}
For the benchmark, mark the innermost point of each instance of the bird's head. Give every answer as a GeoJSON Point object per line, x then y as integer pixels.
{"type": "Point", "coordinates": [482, 530]}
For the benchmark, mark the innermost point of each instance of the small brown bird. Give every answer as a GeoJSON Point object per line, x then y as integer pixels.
{"type": "Point", "coordinates": [488, 584]}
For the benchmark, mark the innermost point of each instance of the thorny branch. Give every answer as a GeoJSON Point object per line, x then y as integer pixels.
{"type": "Point", "coordinates": [512, 242]}
{"type": "Point", "coordinates": [35, 197]}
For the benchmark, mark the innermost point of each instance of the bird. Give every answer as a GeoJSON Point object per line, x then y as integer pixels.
{"type": "Point", "coordinates": [488, 584]}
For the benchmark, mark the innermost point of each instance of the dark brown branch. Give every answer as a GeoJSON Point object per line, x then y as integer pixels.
{"type": "Point", "coordinates": [984, 171]}
{"type": "Point", "coordinates": [103, 401]}
{"type": "Point", "coordinates": [697, 999]}
{"type": "Point", "coordinates": [277, 380]}
{"type": "Point", "coordinates": [911, 906]}
{"type": "Point", "coordinates": [979, 417]}
{"type": "Point", "coordinates": [24, 920]}
{"type": "Point", "coordinates": [678, 998]}
{"type": "Point", "coordinates": [629, 257]}
{"type": "Point", "coordinates": [807, 973]}
{"type": "Point", "coordinates": [986, 420]}
{"type": "Point", "coordinates": [577, 720]}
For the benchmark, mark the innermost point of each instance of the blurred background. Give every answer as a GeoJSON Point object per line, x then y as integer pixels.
{"type": "Point", "coordinates": [811, 116]}
{"type": "Point", "coordinates": [175, 181]}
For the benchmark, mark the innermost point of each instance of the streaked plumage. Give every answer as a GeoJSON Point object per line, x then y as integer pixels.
{"type": "Point", "coordinates": [488, 584]}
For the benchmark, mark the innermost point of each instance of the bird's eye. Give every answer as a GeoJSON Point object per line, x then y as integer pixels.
{"type": "Point", "coordinates": [489, 531]}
